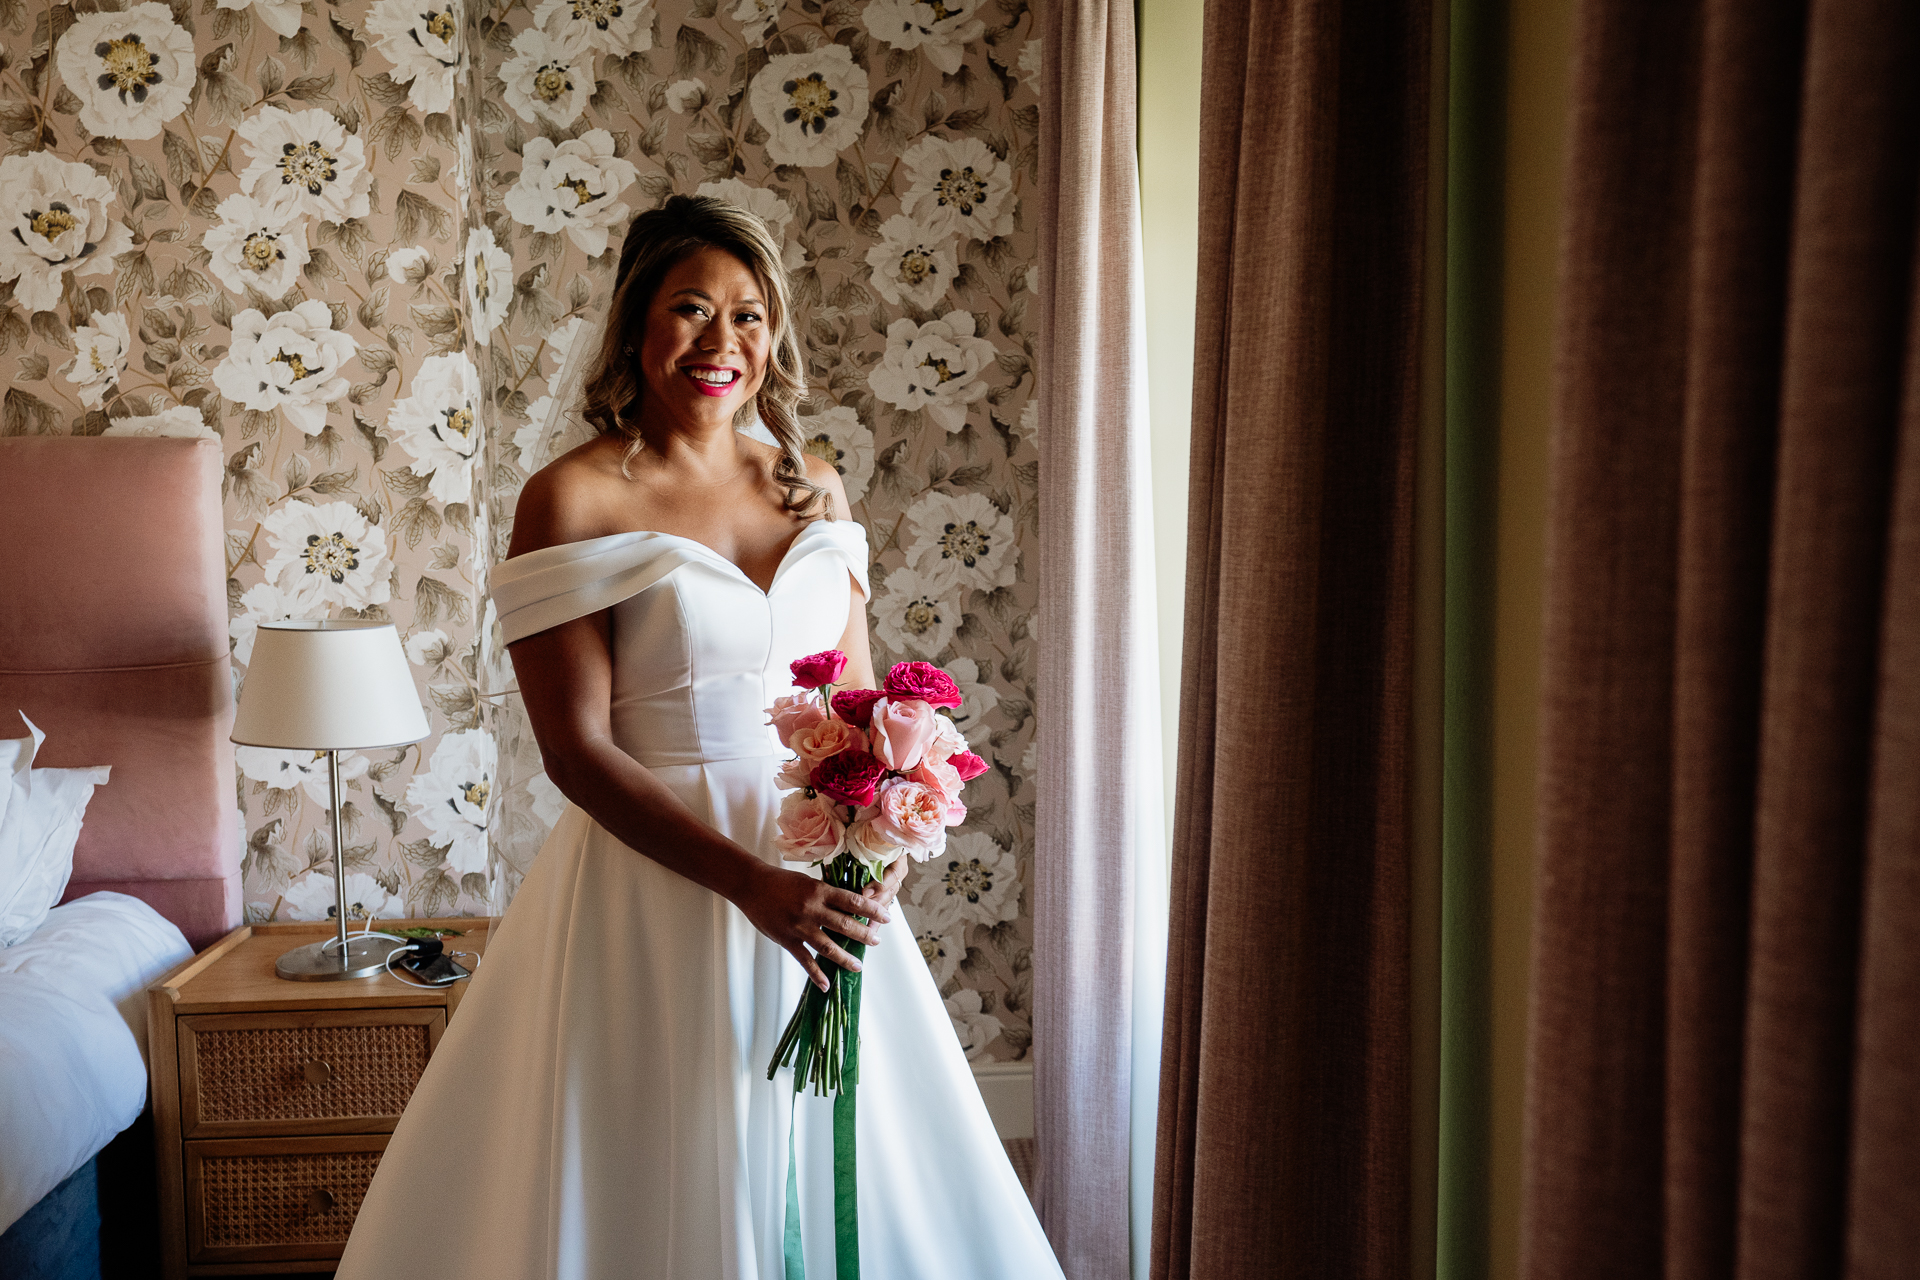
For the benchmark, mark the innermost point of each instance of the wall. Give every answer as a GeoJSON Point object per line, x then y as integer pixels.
{"type": "Point", "coordinates": [363, 298]}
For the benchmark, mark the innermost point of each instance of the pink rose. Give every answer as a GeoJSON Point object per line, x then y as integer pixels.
{"type": "Point", "coordinates": [924, 681]}
{"type": "Point", "coordinates": [913, 816]}
{"type": "Point", "coordinates": [946, 738]}
{"type": "Point", "coordinates": [794, 773]}
{"type": "Point", "coordinates": [855, 706]}
{"type": "Point", "coordinates": [850, 777]}
{"type": "Point", "coordinates": [828, 738]}
{"type": "Point", "coordinates": [866, 843]}
{"type": "Point", "coordinates": [809, 828]}
{"type": "Point", "coordinates": [818, 670]}
{"type": "Point", "coordinates": [968, 765]}
{"type": "Point", "coordinates": [938, 774]}
{"type": "Point", "coordinates": [901, 731]}
{"type": "Point", "coordinates": [794, 711]}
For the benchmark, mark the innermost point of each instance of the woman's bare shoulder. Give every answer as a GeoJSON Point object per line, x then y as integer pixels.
{"type": "Point", "coordinates": [827, 476]}
{"type": "Point", "coordinates": [577, 496]}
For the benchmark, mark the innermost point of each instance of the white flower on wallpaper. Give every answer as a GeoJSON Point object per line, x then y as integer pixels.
{"type": "Point", "coordinates": [56, 221]}
{"type": "Point", "coordinates": [812, 105]}
{"type": "Point", "coordinates": [962, 538]}
{"type": "Point", "coordinates": [526, 439]}
{"type": "Point", "coordinates": [1029, 65]}
{"type": "Point", "coordinates": [618, 27]}
{"type": "Point", "coordinates": [977, 698]}
{"type": "Point", "coordinates": [559, 343]}
{"type": "Point", "coordinates": [452, 796]}
{"type": "Point", "coordinates": [976, 1029]}
{"type": "Point", "coordinates": [312, 897]}
{"type": "Point", "coordinates": [304, 162]}
{"type": "Point", "coordinates": [174, 420]}
{"type": "Point", "coordinates": [548, 77]}
{"type": "Point", "coordinates": [939, 28]}
{"type": "Point", "coordinates": [549, 802]}
{"type": "Point", "coordinates": [836, 435]}
{"type": "Point", "coordinates": [100, 357]}
{"type": "Point", "coordinates": [304, 769]}
{"type": "Point", "coordinates": [256, 244]}
{"type": "Point", "coordinates": [327, 554]}
{"type": "Point", "coordinates": [911, 265]}
{"type": "Point", "coordinates": [281, 16]}
{"type": "Point", "coordinates": [439, 424]}
{"type": "Point", "coordinates": [291, 361]}
{"type": "Point", "coordinates": [428, 648]}
{"type": "Point", "coordinates": [776, 214]}
{"type": "Point", "coordinates": [571, 188]}
{"type": "Point", "coordinates": [958, 187]}
{"type": "Point", "coordinates": [915, 614]}
{"type": "Point", "coordinates": [488, 273]}
{"type": "Point", "coordinates": [261, 602]}
{"type": "Point", "coordinates": [1029, 766]}
{"type": "Point", "coordinates": [409, 265]}
{"type": "Point", "coordinates": [132, 71]}
{"type": "Point", "coordinates": [424, 42]}
{"type": "Point", "coordinates": [1027, 425]}
{"type": "Point", "coordinates": [936, 366]}
{"type": "Point", "coordinates": [974, 880]}
{"type": "Point", "coordinates": [686, 95]}
{"type": "Point", "coordinates": [942, 949]}
{"type": "Point", "coordinates": [756, 19]}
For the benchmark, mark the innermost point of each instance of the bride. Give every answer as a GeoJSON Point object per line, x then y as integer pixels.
{"type": "Point", "coordinates": [600, 1107]}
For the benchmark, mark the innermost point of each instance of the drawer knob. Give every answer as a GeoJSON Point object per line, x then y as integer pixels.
{"type": "Point", "coordinates": [318, 1072]}
{"type": "Point", "coordinates": [319, 1201]}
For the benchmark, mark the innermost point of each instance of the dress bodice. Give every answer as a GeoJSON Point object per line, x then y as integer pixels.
{"type": "Point", "coordinates": [699, 650]}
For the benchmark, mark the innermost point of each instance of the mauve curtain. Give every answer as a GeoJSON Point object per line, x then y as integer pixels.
{"type": "Point", "coordinates": [1724, 1074]}
{"type": "Point", "coordinates": [1099, 893]}
{"type": "Point", "coordinates": [1285, 1089]}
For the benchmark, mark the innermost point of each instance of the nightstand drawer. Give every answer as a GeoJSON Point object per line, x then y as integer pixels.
{"type": "Point", "coordinates": [301, 1073]}
{"type": "Point", "coordinates": [270, 1200]}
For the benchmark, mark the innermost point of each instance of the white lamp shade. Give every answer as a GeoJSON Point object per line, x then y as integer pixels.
{"type": "Point", "coordinates": [336, 685]}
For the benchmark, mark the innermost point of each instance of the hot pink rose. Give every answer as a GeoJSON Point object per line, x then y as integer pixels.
{"type": "Point", "coordinates": [901, 731]}
{"type": "Point", "coordinates": [794, 711]}
{"type": "Point", "coordinates": [809, 828]}
{"type": "Point", "coordinates": [816, 742]}
{"type": "Point", "coordinates": [924, 681]}
{"type": "Point", "coordinates": [818, 670]}
{"type": "Point", "coordinates": [968, 765]}
{"type": "Point", "coordinates": [855, 706]}
{"type": "Point", "coordinates": [913, 816]}
{"type": "Point", "coordinates": [850, 777]}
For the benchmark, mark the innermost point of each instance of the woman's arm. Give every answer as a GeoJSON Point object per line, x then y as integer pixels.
{"type": "Point", "coordinates": [565, 676]}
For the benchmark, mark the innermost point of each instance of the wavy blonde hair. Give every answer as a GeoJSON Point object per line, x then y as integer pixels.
{"type": "Point", "coordinates": [656, 242]}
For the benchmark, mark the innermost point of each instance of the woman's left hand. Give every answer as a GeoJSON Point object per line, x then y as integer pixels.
{"type": "Point", "coordinates": [887, 888]}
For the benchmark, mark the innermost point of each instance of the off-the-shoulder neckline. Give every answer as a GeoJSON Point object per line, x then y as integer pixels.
{"type": "Point", "coordinates": [785, 556]}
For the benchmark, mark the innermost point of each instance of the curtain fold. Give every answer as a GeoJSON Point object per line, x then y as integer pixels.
{"type": "Point", "coordinates": [1098, 891]}
{"type": "Point", "coordinates": [1722, 1078]}
{"type": "Point", "coordinates": [1285, 1090]}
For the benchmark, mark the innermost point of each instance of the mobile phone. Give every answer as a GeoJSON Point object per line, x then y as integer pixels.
{"type": "Point", "coordinates": [439, 969]}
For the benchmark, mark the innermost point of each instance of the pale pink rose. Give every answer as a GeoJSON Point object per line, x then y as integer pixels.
{"type": "Point", "coordinates": [938, 774]}
{"type": "Point", "coordinates": [792, 712]}
{"type": "Point", "coordinates": [815, 742]}
{"type": "Point", "coordinates": [913, 816]}
{"type": "Point", "coordinates": [794, 773]}
{"type": "Point", "coordinates": [868, 844]}
{"type": "Point", "coordinates": [810, 828]}
{"type": "Point", "coordinates": [902, 731]}
{"type": "Point", "coordinates": [946, 739]}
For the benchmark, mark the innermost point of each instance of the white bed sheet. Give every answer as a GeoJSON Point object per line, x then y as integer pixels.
{"type": "Point", "coordinates": [73, 1038]}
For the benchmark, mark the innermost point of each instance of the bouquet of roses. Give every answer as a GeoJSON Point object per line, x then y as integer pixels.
{"type": "Point", "coordinates": [876, 774]}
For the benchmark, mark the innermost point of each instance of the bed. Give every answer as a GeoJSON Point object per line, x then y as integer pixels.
{"type": "Point", "coordinates": [113, 640]}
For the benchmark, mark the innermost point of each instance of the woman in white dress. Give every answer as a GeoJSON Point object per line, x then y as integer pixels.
{"type": "Point", "coordinates": [600, 1108]}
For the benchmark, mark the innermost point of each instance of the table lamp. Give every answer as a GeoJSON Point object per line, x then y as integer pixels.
{"type": "Point", "coordinates": [332, 686]}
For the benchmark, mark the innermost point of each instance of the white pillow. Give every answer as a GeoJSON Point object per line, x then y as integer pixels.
{"type": "Point", "coordinates": [40, 813]}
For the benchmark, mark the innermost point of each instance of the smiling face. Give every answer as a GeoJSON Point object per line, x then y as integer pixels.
{"type": "Point", "coordinates": [707, 340]}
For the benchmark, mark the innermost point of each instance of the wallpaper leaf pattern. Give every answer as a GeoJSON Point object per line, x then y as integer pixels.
{"type": "Point", "coordinates": [354, 242]}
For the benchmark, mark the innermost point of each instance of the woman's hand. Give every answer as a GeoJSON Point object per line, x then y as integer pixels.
{"type": "Point", "coordinates": [883, 891]}
{"type": "Point", "coordinates": [797, 910]}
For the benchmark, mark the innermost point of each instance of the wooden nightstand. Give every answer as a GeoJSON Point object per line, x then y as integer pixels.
{"type": "Point", "coordinates": [272, 1100]}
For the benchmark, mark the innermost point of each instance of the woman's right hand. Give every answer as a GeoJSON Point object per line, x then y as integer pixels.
{"type": "Point", "coordinates": [796, 911]}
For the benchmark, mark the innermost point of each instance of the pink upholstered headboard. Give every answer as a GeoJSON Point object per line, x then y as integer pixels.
{"type": "Point", "coordinates": [113, 638]}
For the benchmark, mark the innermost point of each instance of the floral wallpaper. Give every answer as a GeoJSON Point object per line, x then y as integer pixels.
{"type": "Point", "coordinates": [354, 241]}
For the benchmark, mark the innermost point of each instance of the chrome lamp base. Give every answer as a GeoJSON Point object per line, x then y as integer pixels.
{"type": "Point", "coordinates": [325, 961]}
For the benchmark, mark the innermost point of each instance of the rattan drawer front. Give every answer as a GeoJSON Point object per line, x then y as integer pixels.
{"type": "Point", "coordinates": [268, 1201]}
{"type": "Point", "coordinates": [302, 1073]}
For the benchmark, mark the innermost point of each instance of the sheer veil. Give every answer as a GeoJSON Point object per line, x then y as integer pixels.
{"type": "Point", "coordinates": [565, 427]}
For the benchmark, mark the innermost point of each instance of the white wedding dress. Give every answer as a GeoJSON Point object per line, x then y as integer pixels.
{"type": "Point", "coordinates": [600, 1108]}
